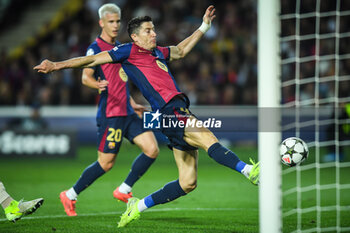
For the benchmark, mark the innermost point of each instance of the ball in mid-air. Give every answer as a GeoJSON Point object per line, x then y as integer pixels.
{"type": "Point", "coordinates": [293, 151]}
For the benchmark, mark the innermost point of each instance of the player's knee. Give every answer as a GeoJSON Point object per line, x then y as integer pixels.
{"type": "Point", "coordinates": [106, 166]}
{"type": "Point", "coordinates": [189, 186]}
{"type": "Point", "coordinates": [151, 151]}
{"type": "Point", "coordinates": [106, 161]}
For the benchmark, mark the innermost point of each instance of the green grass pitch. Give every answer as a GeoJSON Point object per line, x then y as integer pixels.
{"type": "Point", "coordinates": [224, 201]}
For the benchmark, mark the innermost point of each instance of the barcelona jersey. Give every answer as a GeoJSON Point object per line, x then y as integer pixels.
{"type": "Point", "coordinates": [149, 72]}
{"type": "Point", "coordinates": [114, 101]}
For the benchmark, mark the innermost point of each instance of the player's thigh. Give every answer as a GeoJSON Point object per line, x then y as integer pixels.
{"type": "Point", "coordinates": [199, 136]}
{"type": "Point", "coordinates": [147, 142]}
{"type": "Point", "coordinates": [187, 164]}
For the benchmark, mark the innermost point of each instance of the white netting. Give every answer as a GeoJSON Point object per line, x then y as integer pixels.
{"type": "Point", "coordinates": [315, 50]}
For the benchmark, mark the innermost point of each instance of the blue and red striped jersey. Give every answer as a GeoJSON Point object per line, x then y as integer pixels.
{"type": "Point", "coordinates": [149, 72]}
{"type": "Point", "coordinates": [114, 101]}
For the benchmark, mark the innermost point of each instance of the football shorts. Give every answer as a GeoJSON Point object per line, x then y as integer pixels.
{"type": "Point", "coordinates": [111, 131]}
{"type": "Point", "coordinates": [177, 107]}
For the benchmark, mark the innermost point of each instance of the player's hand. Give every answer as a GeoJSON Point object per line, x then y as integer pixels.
{"type": "Point", "coordinates": [209, 14]}
{"type": "Point", "coordinates": [45, 67]}
{"type": "Point", "coordinates": [102, 84]}
{"type": "Point", "coordinates": [139, 109]}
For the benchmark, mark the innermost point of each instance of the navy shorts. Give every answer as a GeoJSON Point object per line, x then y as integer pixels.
{"type": "Point", "coordinates": [177, 107]}
{"type": "Point", "coordinates": [111, 131]}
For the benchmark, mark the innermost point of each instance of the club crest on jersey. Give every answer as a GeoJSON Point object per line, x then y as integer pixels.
{"type": "Point", "coordinates": [123, 76]}
{"type": "Point", "coordinates": [111, 145]}
{"type": "Point", "coordinates": [162, 66]}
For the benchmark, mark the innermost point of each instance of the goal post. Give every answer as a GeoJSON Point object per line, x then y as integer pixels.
{"type": "Point", "coordinates": [269, 135]}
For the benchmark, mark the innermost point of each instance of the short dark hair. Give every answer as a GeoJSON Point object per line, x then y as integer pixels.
{"type": "Point", "coordinates": [135, 23]}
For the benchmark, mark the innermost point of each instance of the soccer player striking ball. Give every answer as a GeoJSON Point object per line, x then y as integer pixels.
{"type": "Point", "coordinates": [146, 64]}
{"type": "Point", "coordinates": [115, 117]}
{"type": "Point", "coordinates": [15, 210]}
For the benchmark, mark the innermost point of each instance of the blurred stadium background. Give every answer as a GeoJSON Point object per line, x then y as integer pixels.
{"type": "Point", "coordinates": [219, 76]}
{"type": "Point", "coordinates": [221, 70]}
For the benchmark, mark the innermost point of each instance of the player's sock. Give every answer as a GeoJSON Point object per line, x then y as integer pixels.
{"type": "Point", "coordinates": [138, 168]}
{"type": "Point", "coordinates": [124, 188]}
{"type": "Point", "coordinates": [5, 198]}
{"type": "Point", "coordinates": [71, 194]}
{"type": "Point", "coordinates": [6, 202]}
{"type": "Point", "coordinates": [225, 157]}
{"type": "Point", "coordinates": [142, 205]}
{"type": "Point", "coordinates": [89, 175]}
{"type": "Point", "coordinates": [246, 170]}
{"type": "Point", "coordinates": [169, 192]}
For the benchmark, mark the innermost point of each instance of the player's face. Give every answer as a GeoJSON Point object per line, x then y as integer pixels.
{"type": "Point", "coordinates": [146, 37]}
{"type": "Point", "coordinates": [110, 24]}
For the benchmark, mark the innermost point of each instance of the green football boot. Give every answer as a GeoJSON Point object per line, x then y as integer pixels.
{"type": "Point", "coordinates": [12, 212]}
{"type": "Point", "coordinates": [254, 172]}
{"type": "Point", "coordinates": [16, 210]}
{"type": "Point", "coordinates": [132, 212]}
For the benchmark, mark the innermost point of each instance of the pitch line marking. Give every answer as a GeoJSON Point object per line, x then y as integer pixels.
{"type": "Point", "coordinates": [151, 210]}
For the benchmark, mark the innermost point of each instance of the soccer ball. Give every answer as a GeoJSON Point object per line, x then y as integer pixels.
{"type": "Point", "coordinates": [293, 151]}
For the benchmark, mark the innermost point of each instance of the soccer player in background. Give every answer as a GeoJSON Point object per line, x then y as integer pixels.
{"type": "Point", "coordinates": [15, 210]}
{"type": "Point", "coordinates": [146, 64]}
{"type": "Point", "coordinates": [115, 117]}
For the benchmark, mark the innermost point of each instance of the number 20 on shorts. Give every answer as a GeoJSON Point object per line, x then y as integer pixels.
{"type": "Point", "coordinates": [115, 135]}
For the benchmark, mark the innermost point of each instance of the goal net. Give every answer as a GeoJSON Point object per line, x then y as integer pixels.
{"type": "Point", "coordinates": [315, 83]}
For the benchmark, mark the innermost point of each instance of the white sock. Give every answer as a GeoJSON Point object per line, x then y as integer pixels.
{"type": "Point", "coordinates": [3, 194]}
{"type": "Point", "coordinates": [5, 198]}
{"type": "Point", "coordinates": [71, 194]}
{"type": "Point", "coordinates": [246, 170]}
{"type": "Point", "coordinates": [142, 206]}
{"type": "Point", "coordinates": [124, 188]}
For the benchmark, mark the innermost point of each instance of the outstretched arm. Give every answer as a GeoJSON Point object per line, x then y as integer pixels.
{"type": "Point", "coordinates": [48, 66]}
{"type": "Point", "coordinates": [185, 46]}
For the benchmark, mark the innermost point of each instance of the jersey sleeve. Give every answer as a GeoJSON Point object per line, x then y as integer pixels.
{"type": "Point", "coordinates": [165, 51]}
{"type": "Point", "coordinates": [120, 53]}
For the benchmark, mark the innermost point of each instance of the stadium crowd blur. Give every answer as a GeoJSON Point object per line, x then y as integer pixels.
{"type": "Point", "coordinates": [221, 70]}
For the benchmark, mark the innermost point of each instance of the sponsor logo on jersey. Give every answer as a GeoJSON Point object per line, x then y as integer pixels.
{"type": "Point", "coordinates": [123, 76]}
{"type": "Point", "coordinates": [162, 66]}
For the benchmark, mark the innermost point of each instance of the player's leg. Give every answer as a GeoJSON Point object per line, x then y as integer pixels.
{"type": "Point", "coordinates": [147, 142]}
{"type": "Point", "coordinates": [9, 205]}
{"type": "Point", "coordinates": [5, 198]}
{"type": "Point", "coordinates": [104, 163]}
{"type": "Point", "coordinates": [186, 162]}
{"type": "Point", "coordinates": [95, 170]}
{"type": "Point", "coordinates": [205, 139]}
{"type": "Point", "coordinates": [110, 134]}
{"type": "Point", "coordinates": [15, 210]}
